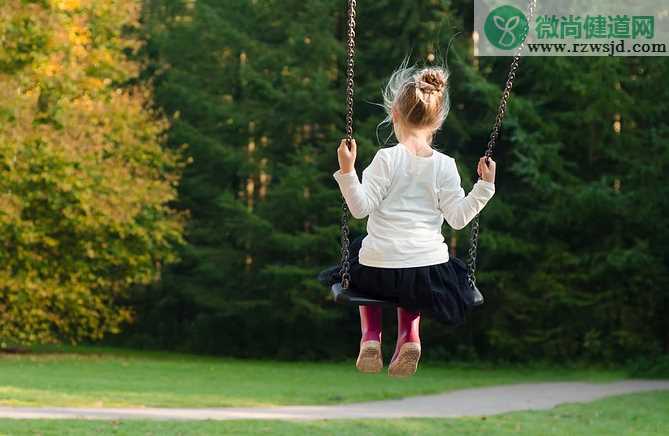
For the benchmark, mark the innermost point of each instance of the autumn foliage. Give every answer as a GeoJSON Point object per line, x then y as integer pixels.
{"type": "Point", "coordinates": [85, 182]}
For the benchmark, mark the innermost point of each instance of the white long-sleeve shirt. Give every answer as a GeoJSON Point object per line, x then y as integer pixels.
{"type": "Point", "coordinates": [407, 198]}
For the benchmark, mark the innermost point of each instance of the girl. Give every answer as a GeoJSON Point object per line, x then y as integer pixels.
{"type": "Point", "coordinates": [407, 191]}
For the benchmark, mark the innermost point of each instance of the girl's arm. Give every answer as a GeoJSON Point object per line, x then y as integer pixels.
{"type": "Point", "coordinates": [363, 198]}
{"type": "Point", "coordinates": [458, 209]}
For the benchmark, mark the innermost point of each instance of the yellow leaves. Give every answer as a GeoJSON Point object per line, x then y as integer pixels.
{"type": "Point", "coordinates": [94, 83]}
{"type": "Point", "coordinates": [78, 34]}
{"type": "Point", "coordinates": [50, 242]}
{"type": "Point", "coordinates": [103, 56]}
{"type": "Point", "coordinates": [10, 206]}
{"type": "Point", "coordinates": [78, 39]}
{"type": "Point", "coordinates": [90, 182]}
{"type": "Point", "coordinates": [66, 31]}
{"type": "Point", "coordinates": [79, 51]}
{"type": "Point", "coordinates": [37, 312]}
{"type": "Point", "coordinates": [67, 5]}
{"type": "Point", "coordinates": [51, 67]}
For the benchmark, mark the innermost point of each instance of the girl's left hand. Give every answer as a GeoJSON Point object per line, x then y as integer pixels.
{"type": "Point", "coordinates": [487, 172]}
{"type": "Point", "coordinates": [346, 156]}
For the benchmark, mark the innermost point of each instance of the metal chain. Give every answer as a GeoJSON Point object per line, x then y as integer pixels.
{"type": "Point", "coordinates": [350, 63]}
{"type": "Point", "coordinates": [494, 135]}
{"type": "Point", "coordinates": [501, 112]}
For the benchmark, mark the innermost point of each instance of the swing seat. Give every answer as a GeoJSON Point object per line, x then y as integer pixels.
{"type": "Point", "coordinates": [353, 298]}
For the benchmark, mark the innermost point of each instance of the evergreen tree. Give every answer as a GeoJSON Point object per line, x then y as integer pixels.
{"type": "Point", "coordinates": [254, 85]}
{"type": "Point", "coordinates": [572, 259]}
{"type": "Point", "coordinates": [592, 278]}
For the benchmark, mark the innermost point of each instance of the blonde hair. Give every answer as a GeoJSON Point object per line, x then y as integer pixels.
{"type": "Point", "coordinates": [418, 96]}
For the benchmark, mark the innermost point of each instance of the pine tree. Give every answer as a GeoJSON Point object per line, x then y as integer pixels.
{"type": "Point", "coordinates": [257, 102]}
{"type": "Point", "coordinates": [571, 256]}
{"type": "Point", "coordinates": [588, 281]}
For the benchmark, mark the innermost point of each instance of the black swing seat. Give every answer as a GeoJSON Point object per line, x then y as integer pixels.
{"type": "Point", "coordinates": [353, 298]}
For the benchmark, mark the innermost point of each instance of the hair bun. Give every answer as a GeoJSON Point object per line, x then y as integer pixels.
{"type": "Point", "coordinates": [431, 80]}
{"type": "Point", "coordinates": [417, 97]}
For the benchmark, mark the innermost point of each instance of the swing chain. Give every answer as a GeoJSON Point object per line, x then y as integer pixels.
{"type": "Point", "coordinates": [350, 63]}
{"type": "Point", "coordinates": [494, 135]}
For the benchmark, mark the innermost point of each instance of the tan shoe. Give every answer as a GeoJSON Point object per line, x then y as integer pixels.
{"type": "Point", "coordinates": [406, 362]}
{"type": "Point", "coordinates": [370, 359]}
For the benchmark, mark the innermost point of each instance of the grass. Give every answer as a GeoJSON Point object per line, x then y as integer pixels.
{"type": "Point", "coordinates": [103, 377]}
{"type": "Point", "coordinates": [635, 414]}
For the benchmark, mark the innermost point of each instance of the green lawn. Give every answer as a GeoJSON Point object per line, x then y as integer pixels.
{"type": "Point", "coordinates": [98, 377]}
{"type": "Point", "coordinates": [636, 414]}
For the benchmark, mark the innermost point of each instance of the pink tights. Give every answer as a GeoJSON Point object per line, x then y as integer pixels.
{"type": "Point", "coordinates": [408, 324]}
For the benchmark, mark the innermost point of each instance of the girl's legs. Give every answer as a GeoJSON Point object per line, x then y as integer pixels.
{"type": "Point", "coordinates": [370, 358]}
{"type": "Point", "coordinates": [407, 349]}
{"type": "Point", "coordinates": [370, 323]}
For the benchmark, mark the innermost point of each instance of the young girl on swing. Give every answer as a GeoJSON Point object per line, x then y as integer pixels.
{"type": "Point", "coordinates": [407, 191]}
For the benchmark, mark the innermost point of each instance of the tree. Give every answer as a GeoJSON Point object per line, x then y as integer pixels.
{"type": "Point", "coordinates": [571, 256]}
{"type": "Point", "coordinates": [258, 88]}
{"type": "Point", "coordinates": [254, 84]}
{"type": "Point", "coordinates": [585, 213]}
{"type": "Point", "coordinates": [85, 186]}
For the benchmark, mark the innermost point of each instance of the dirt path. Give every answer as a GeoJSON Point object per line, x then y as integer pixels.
{"type": "Point", "coordinates": [467, 402]}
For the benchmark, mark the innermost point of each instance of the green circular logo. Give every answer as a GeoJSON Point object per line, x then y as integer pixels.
{"type": "Point", "coordinates": [506, 27]}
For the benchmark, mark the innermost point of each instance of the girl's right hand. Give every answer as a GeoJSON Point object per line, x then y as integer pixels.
{"type": "Point", "coordinates": [347, 156]}
{"type": "Point", "coordinates": [487, 171]}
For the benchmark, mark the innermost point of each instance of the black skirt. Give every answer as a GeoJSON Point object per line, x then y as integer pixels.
{"type": "Point", "coordinates": [441, 291]}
